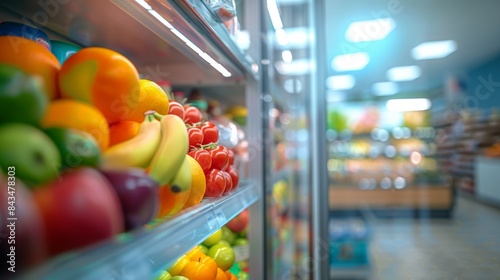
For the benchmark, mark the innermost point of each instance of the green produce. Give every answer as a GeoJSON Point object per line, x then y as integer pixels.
{"type": "Point", "coordinates": [204, 248]}
{"type": "Point", "coordinates": [228, 235]}
{"type": "Point", "coordinates": [22, 98]}
{"type": "Point", "coordinates": [223, 255]}
{"type": "Point", "coordinates": [77, 148]}
{"type": "Point", "coordinates": [30, 152]}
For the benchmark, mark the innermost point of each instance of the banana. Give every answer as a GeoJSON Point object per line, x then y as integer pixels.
{"type": "Point", "coordinates": [137, 151]}
{"type": "Point", "coordinates": [182, 179]}
{"type": "Point", "coordinates": [172, 149]}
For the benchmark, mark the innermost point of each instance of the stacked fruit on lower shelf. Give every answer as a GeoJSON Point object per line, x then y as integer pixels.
{"type": "Point", "coordinates": [222, 256]}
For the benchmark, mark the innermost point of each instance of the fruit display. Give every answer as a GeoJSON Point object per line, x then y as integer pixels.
{"type": "Point", "coordinates": [96, 151]}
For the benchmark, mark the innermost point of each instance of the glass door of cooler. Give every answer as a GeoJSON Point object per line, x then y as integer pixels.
{"type": "Point", "coordinates": [288, 86]}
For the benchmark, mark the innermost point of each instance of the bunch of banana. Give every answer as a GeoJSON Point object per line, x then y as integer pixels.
{"type": "Point", "coordinates": [137, 151]}
{"type": "Point", "coordinates": [169, 165]}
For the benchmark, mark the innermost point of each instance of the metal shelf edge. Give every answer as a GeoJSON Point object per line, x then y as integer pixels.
{"type": "Point", "coordinates": [142, 254]}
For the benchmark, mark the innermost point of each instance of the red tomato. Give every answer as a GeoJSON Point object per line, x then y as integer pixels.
{"type": "Point", "coordinates": [195, 137]}
{"type": "Point", "coordinates": [234, 175]}
{"type": "Point", "coordinates": [175, 108]}
{"type": "Point", "coordinates": [230, 154]}
{"type": "Point", "coordinates": [229, 181]}
{"type": "Point", "coordinates": [192, 115]}
{"type": "Point", "coordinates": [216, 183]}
{"type": "Point", "coordinates": [210, 133]}
{"type": "Point", "coordinates": [203, 157]}
{"type": "Point", "coordinates": [220, 159]}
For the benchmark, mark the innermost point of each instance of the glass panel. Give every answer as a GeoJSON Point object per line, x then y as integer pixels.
{"type": "Point", "coordinates": [287, 81]}
{"type": "Point", "coordinates": [413, 136]}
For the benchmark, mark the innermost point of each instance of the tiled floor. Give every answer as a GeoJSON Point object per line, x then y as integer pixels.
{"type": "Point", "coordinates": [466, 247]}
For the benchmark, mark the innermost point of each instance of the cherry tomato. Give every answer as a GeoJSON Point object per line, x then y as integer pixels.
{"type": "Point", "coordinates": [229, 181]}
{"type": "Point", "coordinates": [175, 108]}
{"type": "Point", "coordinates": [210, 133]}
{"type": "Point", "coordinates": [230, 154]}
{"type": "Point", "coordinates": [203, 158]}
{"type": "Point", "coordinates": [220, 158]}
{"type": "Point", "coordinates": [216, 183]}
{"type": "Point", "coordinates": [195, 137]}
{"type": "Point", "coordinates": [192, 115]}
{"type": "Point", "coordinates": [234, 175]}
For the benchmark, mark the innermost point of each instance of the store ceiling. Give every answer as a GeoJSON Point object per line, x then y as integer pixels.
{"type": "Point", "coordinates": [472, 24]}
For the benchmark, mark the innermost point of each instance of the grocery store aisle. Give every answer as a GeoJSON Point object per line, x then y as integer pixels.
{"type": "Point", "coordinates": [466, 247]}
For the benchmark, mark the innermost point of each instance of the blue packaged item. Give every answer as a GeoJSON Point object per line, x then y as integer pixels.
{"type": "Point", "coordinates": [10, 28]}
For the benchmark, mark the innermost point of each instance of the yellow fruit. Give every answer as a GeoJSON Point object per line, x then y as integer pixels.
{"type": "Point", "coordinates": [198, 185]}
{"type": "Point", "coordinates": [78, 115]}
{"type": "Point", "coordinates": [213, 239]}
{"type": "Point", "coordinates": [179, 265]}
{"type": "Point", "coordinates": [151, 97]}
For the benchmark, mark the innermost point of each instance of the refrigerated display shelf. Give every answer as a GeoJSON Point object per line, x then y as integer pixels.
{"type": "Point", "coordinates": [161, 38]}
{"type": "Point", "coordinates": [142, 254]}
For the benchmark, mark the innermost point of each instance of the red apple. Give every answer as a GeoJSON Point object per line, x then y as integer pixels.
{"type": "Point", "coordinates": [23, 230]}
{"type": "Point", "coordinates": [80, 208]}
{"type": "Point", "coordinates": [239, 223]}
{"type": "Point", "coordinates": [138, 194]}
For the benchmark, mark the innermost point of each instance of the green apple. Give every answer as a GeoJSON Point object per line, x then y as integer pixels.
{"type": "Point", "coordinates": [213, 239]}
{"type": "Point", "coordinates": [178, 277]}
{"type": "Point", "coordinates": [223, 255]}
{"type": "Point", "coordinates": [224, 242]}
{"type": "Point", "coordinates": [22, 98]}
{"type": "Point", "coordinates": [30, 152]}
{"type": "Point", "coordinates": [228, 235]}
{"type": "Point", "coordinates": [240, 241]}
{"type": "Point", "coordinates": [204, 248]}
{"type": "Point", "coordinates": [77, 148]}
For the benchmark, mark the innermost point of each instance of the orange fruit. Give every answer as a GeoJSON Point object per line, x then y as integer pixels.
{"type": "Point", "coordinates": [32, 58]}
{"type": "Point", "coordinates": [196, 254]}
{"type": "Point", "coordinates": [77, 115]}
{"type": "Point", "coordinates": [170, 202]}
{"type": "Point", "coordinates": [101, 77]}
{"type": "Point", "coordinates": [122, 131]}
{"type": "Point", "coordinates": [151, 97]}
{"type": "Point", "coordinates": [221, 275]}
{"type": "Point", "coordinates": [198, 271]}
{"type": "Point", "coordinates": [198, 183]}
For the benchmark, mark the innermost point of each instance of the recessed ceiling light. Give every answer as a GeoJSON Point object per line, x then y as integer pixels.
{"type": "Point", "coordinates": [296, 67]}
{"type": "Point", "coordinates": [287, 56]}
{"type": "Point", "coordinates": [385, 88]}
{"type": "Point", "coordinates": [369, 30]}
{"type": "Point", "coordinates": [403, 73]}
{"type": "Point", "coordinates": [340, 82]}
{"type": "Point", "coordinates": [408, 105]}
{"type": "Point", "coordinates": [350, 62]}
{"type": "Point", "coordinates": [434, 50]}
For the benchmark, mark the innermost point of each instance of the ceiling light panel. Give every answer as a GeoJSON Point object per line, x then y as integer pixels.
{"type": "Point", "coordinates": [434, 50]}
{"type": "Point", "coordinates": [350, 62]}
{"type": "Point", "coordinates": [408, 105]}
{"type": "Point", "coordinates": [340, 82]}
{"type": "Point", "coordinates": [369, 30]}
{"type": "Point", "coordinates": [404, 73]}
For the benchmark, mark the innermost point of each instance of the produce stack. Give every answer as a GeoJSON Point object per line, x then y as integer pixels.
{"type": "Point", "coordinates": [222, 256]}
{"type": "Point", "coordinates": [88, 150]}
